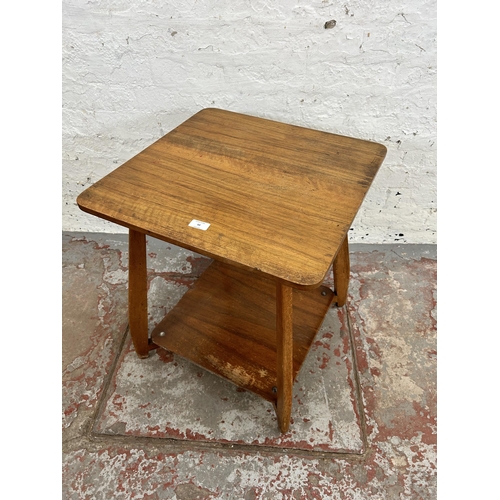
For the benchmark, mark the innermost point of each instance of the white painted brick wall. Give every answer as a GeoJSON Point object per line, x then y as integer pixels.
{"type": "Point", "coordinates": [133, 70]}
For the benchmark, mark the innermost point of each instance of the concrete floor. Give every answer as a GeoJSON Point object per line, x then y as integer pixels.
{"type": "Point", "coordinates": [364, 414]}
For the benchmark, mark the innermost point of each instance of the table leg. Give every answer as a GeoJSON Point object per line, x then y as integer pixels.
{"type": "Point", "coordinates": [138, 293]}
{"type": "Point", "coordinates": [341, 272]}
{"type": "Point", "coordinates": [284, 338]}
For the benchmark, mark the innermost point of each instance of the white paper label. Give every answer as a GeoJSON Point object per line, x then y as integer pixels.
{"type": "Point", "coordinates": [198, 224]}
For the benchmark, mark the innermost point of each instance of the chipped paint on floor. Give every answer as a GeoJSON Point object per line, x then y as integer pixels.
{"type": "Point", "coordinates": [168, 397]}
{"type": "Point", "coordinates": [138, 473]}
{"type": "Point", "coordinates": [118, 453]}
{"type": "Point", "coordinates": [94, 318]}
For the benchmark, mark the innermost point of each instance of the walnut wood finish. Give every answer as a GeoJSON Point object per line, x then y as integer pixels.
{"type": "Point", "coordinates": [341, 272]}
{"type": "Point", "coordinates": [279, 198]}
{"type": "Point", "coordinates": [284, 348]}
{"type": "Point", "coordinates": [138, 293]}
{"type": "Point", "coordinates": [227, 324]}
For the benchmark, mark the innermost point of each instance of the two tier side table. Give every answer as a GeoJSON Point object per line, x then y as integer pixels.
{"type": "Point", "coordinates": [271, 204]}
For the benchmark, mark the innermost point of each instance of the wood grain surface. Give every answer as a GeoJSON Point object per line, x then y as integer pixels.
{"type": "Point", "coordinates": [279, 198]}
{"type": "Point", "coordinates": [138, 293]}
{"type": "Point", "coordinates": [284, 351]}
{"type": "Point", "coordinates": [227, 324]}
{"type": "Point", "coordinates": [341, 272]}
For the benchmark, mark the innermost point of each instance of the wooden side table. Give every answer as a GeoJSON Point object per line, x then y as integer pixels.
{"type": "Point", "coordinates": [271, 203]}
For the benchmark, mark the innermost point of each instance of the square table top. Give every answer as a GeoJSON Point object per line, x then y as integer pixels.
{"type": "Point", "coordinates": [279, 198]}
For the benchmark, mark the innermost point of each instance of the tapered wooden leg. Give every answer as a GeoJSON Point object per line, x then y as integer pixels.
{"type": "Point", "coordinates": [341, 272]}
{"type": "Point", "coordinates": [138, 293]}
{"type": "Point", "coordinates": [284, 337]}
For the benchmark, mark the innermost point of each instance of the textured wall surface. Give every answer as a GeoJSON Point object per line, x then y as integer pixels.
{"type": "Point", "coordinates": [133, 70]}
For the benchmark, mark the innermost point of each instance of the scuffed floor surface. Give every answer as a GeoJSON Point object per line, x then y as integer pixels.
{"type": "Point", "coordinates": [363, 426]}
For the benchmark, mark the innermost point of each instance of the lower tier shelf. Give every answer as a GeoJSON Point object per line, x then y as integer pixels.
{"type": "Point", "coordinates": [226, 324]}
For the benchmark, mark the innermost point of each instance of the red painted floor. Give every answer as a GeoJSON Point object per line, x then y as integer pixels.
{"type": "Point", "coordinates": [364, 424]}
